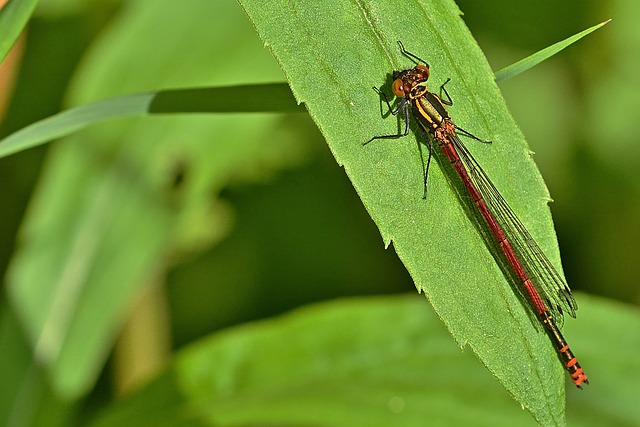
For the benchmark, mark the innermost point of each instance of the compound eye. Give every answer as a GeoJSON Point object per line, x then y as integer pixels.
{"type": "Point", "coordinates": [424, 71]}
{"type": "Point", "coordinates": [398, 88]}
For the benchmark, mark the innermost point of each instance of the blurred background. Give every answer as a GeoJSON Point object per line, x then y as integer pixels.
{"type": "Point", "coordinates": [248, 233]}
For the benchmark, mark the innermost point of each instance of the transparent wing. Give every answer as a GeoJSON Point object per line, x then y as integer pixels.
{"type": "Point", "coordinates": [546, 279]}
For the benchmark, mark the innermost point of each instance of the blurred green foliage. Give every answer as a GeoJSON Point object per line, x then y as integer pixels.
{"type": "Point", "coordinates": [287, 211]}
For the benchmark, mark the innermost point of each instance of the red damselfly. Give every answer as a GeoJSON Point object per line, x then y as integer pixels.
{"type": "Point", "coordinates": [545, 291]}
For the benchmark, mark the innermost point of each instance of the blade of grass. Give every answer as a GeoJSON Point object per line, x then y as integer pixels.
{"type": "Point", "coordinates": [14, 16]}
{"type": "Point", "coordinates": [274, 97]}
{"type": "Point", "coordinates": [533, 60]}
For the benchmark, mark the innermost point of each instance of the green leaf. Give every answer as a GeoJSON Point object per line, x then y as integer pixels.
{"type": "Point", "coordinates": [332, 56]}
{"type": "Point", "coordinates": [355, 362]}
{"type": "Point", "coordinates": [274, 97]}
{"type": "Point", "coordinates": [375, 361]}
{"type": "Point", "coordinates": [533, 60]}
{"type": "Point", "coordinates": [14, 16]}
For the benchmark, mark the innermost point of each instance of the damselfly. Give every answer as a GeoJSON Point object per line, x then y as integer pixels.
{"type": "Point", "coordinates": [545, 291]}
